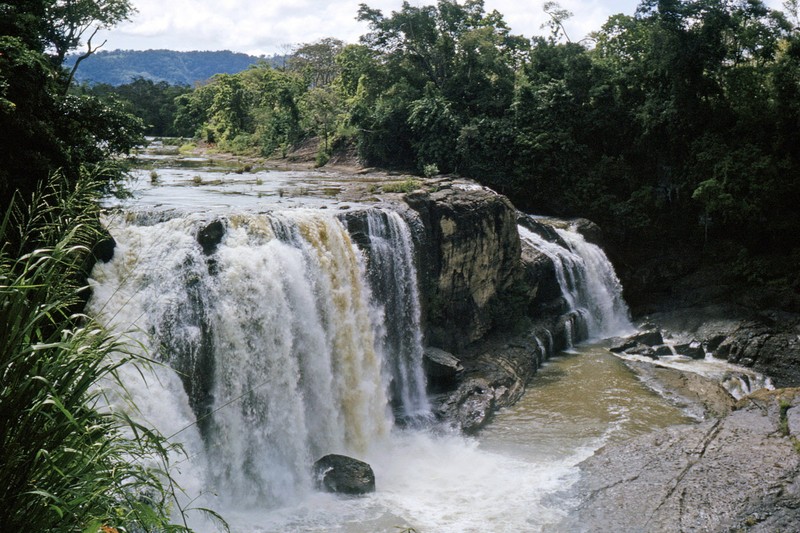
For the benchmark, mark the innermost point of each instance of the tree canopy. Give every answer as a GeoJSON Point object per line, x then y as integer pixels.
{"type": "Point", "coordinates": [45, 129]}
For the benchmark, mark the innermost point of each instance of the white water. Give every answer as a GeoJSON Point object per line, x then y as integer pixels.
{"type": "Point", "coordinates": [588, 283]}
{"type": "Point", "coordinates": [288, 343]}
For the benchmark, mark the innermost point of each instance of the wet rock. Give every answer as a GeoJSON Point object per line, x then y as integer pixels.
{"type": "Point", "coordinates": [769, 344]}
{"type": "Point", "coordinates": [495, 375]}
{"type": "Point", "coordinates": [651, 337]}
{"type": "Point", "coordinates": [693, 349]}
{"type": "Point", "coordinates": [104, 249]}
{"type": "Point", "coordinates": [699, 395]}
{"type": "Point", "coordinates": [442, 369]}
{"type": "Point", "coordinates": [210, 236]}
{"type": "Point", "coordinates": [703, 477]}
{"type": "Point", "coordinates": [662, 350]}
{"type": "Point", "coordinates": [623, 346]}
{"type": "Point", "coordinates": [344, 475]}
{"type": "Point", "coordinates": [643, 350]}
{"type": "Point", "coordinates": [471, 406]}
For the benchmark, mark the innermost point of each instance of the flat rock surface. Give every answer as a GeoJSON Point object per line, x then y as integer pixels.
{"type": "Point", "coordinates": [736, 473]}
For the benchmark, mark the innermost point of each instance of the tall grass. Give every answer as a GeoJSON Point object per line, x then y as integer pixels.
{"type": "Point", "coordinates": [67, 462]}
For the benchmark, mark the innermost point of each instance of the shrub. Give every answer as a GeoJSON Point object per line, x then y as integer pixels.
{"type": "Point", "coordinates": [68, 465]}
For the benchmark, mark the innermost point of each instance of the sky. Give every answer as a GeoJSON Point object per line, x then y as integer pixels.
{"type": "Point", "coordinates": [267, 27]}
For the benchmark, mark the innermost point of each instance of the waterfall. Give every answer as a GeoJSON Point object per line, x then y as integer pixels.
{"type": "Point", "coordinates": [588, 284]}
{"type": "Point", "coordinates": [282, 350]}
{"type": "Point", "coordinates": [393, 279]}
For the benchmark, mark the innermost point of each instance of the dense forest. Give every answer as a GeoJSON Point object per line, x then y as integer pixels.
{"type": "Point", "coordinates": [677, 123]}
{"type": "Point", "coordinates": [118, 67]}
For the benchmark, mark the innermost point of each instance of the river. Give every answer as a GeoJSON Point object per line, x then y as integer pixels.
{"type": "Point", "coordinates": [276, 337]}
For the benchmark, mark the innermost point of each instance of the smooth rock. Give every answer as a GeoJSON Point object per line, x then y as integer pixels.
{"type": "Point", "coordinates": [344, 475]}
{"type": "Point", "coordinates": [738, 473]}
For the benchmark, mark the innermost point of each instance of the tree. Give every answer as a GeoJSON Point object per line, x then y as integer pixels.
{"type": "Point", "coordinates": [317, 61]}
{"type": "Point", "coordinates": [44, 129]}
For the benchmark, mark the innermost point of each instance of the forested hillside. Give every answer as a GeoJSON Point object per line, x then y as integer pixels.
{"type": "Point", "coordinates": [119, 67]}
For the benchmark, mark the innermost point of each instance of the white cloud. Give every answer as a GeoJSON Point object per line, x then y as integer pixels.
{"type": "Point", "coordinates": [266, 26]}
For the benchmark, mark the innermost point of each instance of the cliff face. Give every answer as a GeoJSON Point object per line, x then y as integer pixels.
{"type": "Point", "coordinates": [469, 262]}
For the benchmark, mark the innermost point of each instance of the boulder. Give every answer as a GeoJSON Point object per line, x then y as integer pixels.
{"type": "Point", "coordinates": [344, 475]}
{"type": "Point", "coordinates": [623, 346]}
{"type": "Point", "coordinates": [692, 349]}
{"type": "Point", "coordinates": [662, 350]}
{"type": "Point", "coordinates": [643, 350]}
{"type": "Point", "coordinates": [442, 368]}
{"type": "Point", "coordinates": [210, 236]}
{"type": "Point", "coordinates": [651, 337]}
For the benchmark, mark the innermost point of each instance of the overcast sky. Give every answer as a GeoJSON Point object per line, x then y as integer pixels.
{"type": "Point", "coordinates": [269, 26]}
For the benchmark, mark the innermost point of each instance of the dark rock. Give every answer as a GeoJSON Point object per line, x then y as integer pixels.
{"type": "Point", "coordinates": [495, 374]}
{"type": "Point", "coordinates": [623, 346]}
{"type": "Point", "coordinates": [693, 349]}
{"type": "Point", "coordinates": [662, 350]}
{"type": "Point", "coordinates": [713, 343]}
{"type": "Point", "coordinates": [344, 475]}
{"type": "Point", "coordinates": [769, 344]}
{"type": "Point", "coordinates": [104, 249]}
{"type": "Point", "coordinates": [651, 337]}
{"type": "Point", "coordinates": [471, 406]}
{"type": "Point", "coordinates": [442, 369]}
{"type": "Point", "coordinates": [470, 260]}
{"type": "Point", "coordinates": [643, 350]}
{"type": "Point", "coordinates": [210, 236]}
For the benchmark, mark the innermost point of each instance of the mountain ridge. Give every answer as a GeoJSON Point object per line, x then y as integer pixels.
{"type": "Point", "coordinates": [118, 67]}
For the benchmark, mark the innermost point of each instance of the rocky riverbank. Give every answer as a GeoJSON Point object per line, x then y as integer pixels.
{"type": "Point", "coordinates": [734, 473]}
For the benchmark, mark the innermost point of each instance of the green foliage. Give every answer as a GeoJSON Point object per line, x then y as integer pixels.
{"type": "Point", "coordinates": [154, 103]}
{"type": "Point", "coordinates": [69, 464]}
{"type": "Point", "coordinates": [430, 170]}
{"type": "Point", "coordinates": [681, 122]}
{"type": "Point", "coordinates": [405, 186]}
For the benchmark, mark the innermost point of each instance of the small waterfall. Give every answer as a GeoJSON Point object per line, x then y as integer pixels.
{"type": "Point", "coordinates": [393, 279]}
{"type": "Point", "coordinates": [277, 339]}
{"type": "Point", "coordinates": [588, 284]}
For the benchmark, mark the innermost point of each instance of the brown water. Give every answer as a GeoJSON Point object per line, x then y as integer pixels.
{"type": "Point", "coordinates": [579, 400]}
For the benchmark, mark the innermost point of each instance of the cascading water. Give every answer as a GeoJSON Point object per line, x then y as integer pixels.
{"type": "Point", "coordinates": [285, 341]}
{"type": "Point", "coordinates": [393, 279]}
{"type": "Point", "coordinates": [588, 283]}
{"type": "Point", "coordinates": [274, 336]}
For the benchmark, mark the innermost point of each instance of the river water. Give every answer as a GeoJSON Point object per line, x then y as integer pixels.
{"type": "Point", "coordinates": [509, 477]}
{"type": "Point", "coordinates": [288, 345]}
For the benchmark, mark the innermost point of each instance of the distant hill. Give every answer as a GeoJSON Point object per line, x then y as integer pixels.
{"type": "Point", "coordinates": [119, 67]}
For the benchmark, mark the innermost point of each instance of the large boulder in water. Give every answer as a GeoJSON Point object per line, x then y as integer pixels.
{"type": "Point", "coordinates": [344, 475]}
